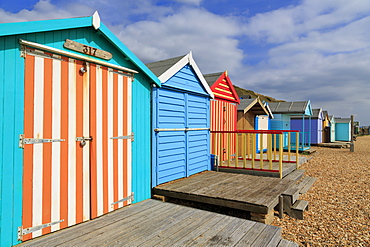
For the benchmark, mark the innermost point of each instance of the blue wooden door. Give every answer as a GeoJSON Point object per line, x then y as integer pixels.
{"type": "Point", "coordinates": [180, 135]}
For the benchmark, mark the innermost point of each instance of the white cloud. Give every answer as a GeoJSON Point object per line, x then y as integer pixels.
{"type": "Point", "coordinates": [212, 39]}
{"type": "Point", "coordinates": [317, 50]}
{"type": "Point", "coordinates": [289, 24]}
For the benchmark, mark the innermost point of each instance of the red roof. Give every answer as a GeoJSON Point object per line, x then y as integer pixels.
{"type": "Point", "coordinates": [223, 88]}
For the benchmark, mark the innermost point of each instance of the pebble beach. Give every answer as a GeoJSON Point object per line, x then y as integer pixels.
{"type": "Point", "coordinates": [339, 200]}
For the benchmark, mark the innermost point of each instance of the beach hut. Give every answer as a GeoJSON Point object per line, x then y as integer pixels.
{"type": "Point", "coordinates": [223, 109]}
{"type": "Point", "coordinates": [283, 112]}
{"type": "Point", "coordinates": [180, 120]}
{"type": "Point", "coordinates": [248, 112]}
{"type": "Point", "coordinates": [325, 127]}
{"type": "Point", "coordinates": [315, 124]}
{"type": "Point", "coordinates": [254, 115]}
{"type": "Point", "coordinates": [71, 147]}
{"type": "Point", "coordinates": [343, 129]}
{"type": "Point", "coordinates": [332, 128]}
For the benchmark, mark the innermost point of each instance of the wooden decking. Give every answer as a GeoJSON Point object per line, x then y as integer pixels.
{"type": "Point", "coordinates": [337, 144]}
{"type": "Point", "coordinates": [155, 223]}
{"type": "Point", "coordinates": [239, 191]}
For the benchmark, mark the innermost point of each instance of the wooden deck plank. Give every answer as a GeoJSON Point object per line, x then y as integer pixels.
{"type": "Point", "coordinates": [240, 191]}
{"type": "Point", "coordinates": [273, 192]}
{"type": "Point", "coordinates": [219, 184]}
{"type": "Point", "coordinates": [215, 201]}
{"type": "Point", "coordinates": [130, 224]}
{"type": "Point", "coordinates": [296, 175]}
{"type": "Point", "coordinates": [232, 186]}
{"type": "Point", "coordinates": [160, 229]}
{"type": "Point", "coordinates": [270, 236]}
{"type": "Point", "coordinates": [82, 229]}
{"type": "Point", "coordinates": [193, 181]}
{"type": "Point", "coordinates": [286, 243]}
{"type": "Point", "coordinates": [267, 193]}
{"type": "Point", "coordinates": [306, 184]}
{"type": "Point", "coordinates": [250, 237]}
{"type": "Point", "coordinates": [155, 223]}
{"type": "Point", "coordinates": [261, 236]}
{"type": "Point", "coordinates": [185, 229]}
{"type": "Point", "coordinates": [211, 224]}
{"type": "Point", "coordinates": [258, 185]}
{"type": "Point", "coordinates": [231, 235]}
{"type": "Point", "coordinates": [201, 239]}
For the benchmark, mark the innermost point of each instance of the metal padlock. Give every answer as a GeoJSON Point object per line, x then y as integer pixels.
{"type": "Point", "coordinates": [83, 140]}
{"type": "Point", "coordinates": [82, 143]}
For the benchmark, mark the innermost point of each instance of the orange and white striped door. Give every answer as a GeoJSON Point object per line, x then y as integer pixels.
{"type": "Point", "coordinates": [77, 161]}
{"type": "Point", "coordinates": [223, 118]}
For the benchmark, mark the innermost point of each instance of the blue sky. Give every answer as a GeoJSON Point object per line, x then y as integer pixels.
{"type": "Point", "coordinates": [292, 50]}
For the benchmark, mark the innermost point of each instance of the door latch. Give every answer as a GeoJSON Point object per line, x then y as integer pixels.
{"type": "Point", "coordinates": [83, 140]}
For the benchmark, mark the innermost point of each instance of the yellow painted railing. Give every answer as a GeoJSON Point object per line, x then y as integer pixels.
{"type": "Point", "coordinates": [255, 149]}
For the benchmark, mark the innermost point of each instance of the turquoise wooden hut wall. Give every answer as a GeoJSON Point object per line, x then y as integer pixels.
{"type": "Point", "coordinates": [343, 129]}
{"type": "Point", "coordinates": [88, 31]}
{"type": "Point", "coordinates": [281, 122]}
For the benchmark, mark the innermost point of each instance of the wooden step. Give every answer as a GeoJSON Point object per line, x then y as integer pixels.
{"type": "Point", "coordinates": [300, 205]}
{"type": "Point", "coordinates": [306, 184]}
{"type": "Point", "coordinates": [296, 175]}
{"type": "Point", "coordinates": [286, 243]}
{"type": "Point", "coordinates": [298, 209]}
{"type": "Point", "coordinates": [291, 195]}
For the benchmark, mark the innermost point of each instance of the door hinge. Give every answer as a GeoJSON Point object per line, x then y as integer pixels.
{"type": "Point", "coordinates": [23, 141]}
{"type": "Point", "coordinates": [124, 137]}
{"type": "Point", "coordinates": [22, 232]}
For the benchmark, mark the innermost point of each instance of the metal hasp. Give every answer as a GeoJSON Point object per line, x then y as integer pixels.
{"type": "Point", "coordinates": [23, 141]}
{"type": "Point", "coordinates": [125, 199]}
{"type": "Point", "coordinates": [124, 137]}
{"type": "Point", "coordinates": [83, 140]}
{"type": "Point", "coordinates": [22, 232]}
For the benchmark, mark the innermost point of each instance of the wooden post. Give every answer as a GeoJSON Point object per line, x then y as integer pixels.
{"type": "Point", "coordinates": [253, 149]}
{"type": "Point", "coordinates": [281, 156]}
{"type": "Point", "coordinates": [221, 149]}
{"type": "Point", "coordinates": [248, 141]}
{"type": "Point", "coordinates": [236, 149]}
{"type": "Point", "coordinates": [281, 207]}
{"type": "Point", "coordinates": [244, 150]}
{"type": "Point", "coordinates": [297, 150]}
{"type": "Point", "coordinates": [228, 151]}
{"type": "Point", "coordinates": [352, 147]}
{"type": "Point", "coordinates": [288, 146]}
{"type": "Point", "coordinates": [352, 128]}
{"type": "Point", "coordinates": [269, 149]}
{"type": "Point", "coordinates": [275, 136]}
{"type": "Point", "coordinates": [261, 150]}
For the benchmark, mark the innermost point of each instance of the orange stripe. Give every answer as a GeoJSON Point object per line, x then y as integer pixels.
{"type": "Point", "coordinates": [93, 176]}
{"type": "Point", "coordinates": [64, 145]}
{"type": "Point", "coordinates": [28, 149]}
{"type": "Point", "coordinates": [115, 142]}
{"type": "Point", "coordinates": [47, 147]}
{"type": "Point", "coordinates": [79, 148]}
{"type": "Point", "coordinates": [105, 139]}
{"type": "Point", "coordinates": [125, 132]}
